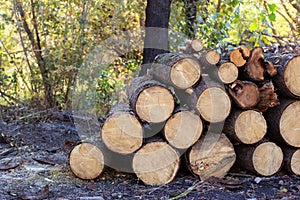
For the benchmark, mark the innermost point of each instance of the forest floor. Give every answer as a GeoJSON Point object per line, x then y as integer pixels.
{"type": "Point", "coordinates": [34, 165]}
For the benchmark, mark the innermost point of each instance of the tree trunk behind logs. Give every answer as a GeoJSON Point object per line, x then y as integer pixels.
{"type": "Point", "coordinates": [283, 122]}
{"type": "Point", "coordinates": [150, 99]}
{"type": "Point", "coordinates": [291, 160]}
{"type": "Point", "coordinates": [212, 155]}
{"type": "Point", "coordinates": [176, 69]}
{"type": "Point", "coordinates": [287, 80]}
{"type": "Point", "coordinates": [86, 161]}
{"type": "Point", "coordinates": [264, 158]}
{"type": "Point", "coordinates": [183, 129]}
{"type": "Point", "coordinates": [245, 126]}
{"type": "Point", "coordinates": [211, 100]}
{"type": "Point", "coordinates": [122, 132]}
{"type": "Point", "coordinates": [156, 163]}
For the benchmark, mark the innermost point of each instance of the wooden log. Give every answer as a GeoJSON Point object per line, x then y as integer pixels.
{"type": "Point", "coordinates": [291, 160]}
{"type": "Point", "coordinates": [192, 46]}
{"type": "Point", "coordinates": [227, 72]}
{"type": "Point", "coordinates": [176, 69]}
{"type": "Point", "coordinates": [239, 56]}
{"type": "Point", "coordinates": [86, 161]}
{"type": "Point", "coordinates": [212, 155]}
{"type": "Point", "coordinates": [245, 126]}
{"type": "Point", "coordinates": [283, 122]}
{"type": "Point", "coordinates": [254, 68]}
{"type": "Point", "coordinates": [244, 93]}
{"type": "Point", "coordinates": [264, 158]}
{"type": "Point", "coordinates": [211, 100]}
{"type": "Point", "coordinates": [287, 81]}
{"type": "Point", "coordinates": [151, 100]}
{"type": "Point", "coordinates": [156, 163]}
{"type": "Point", "coordinates": [197, 45]}
{"type": "Point", "coordinates": [267, 97]}
{"type": "Point", "coordinates": [183, 129]}
{"type": "Point", "coordinates": [122, 132]}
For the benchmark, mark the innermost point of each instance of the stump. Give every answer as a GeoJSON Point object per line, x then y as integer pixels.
{"type": "Point", "coordinates": [156, 163]}
{"type": "Point", "coordinates": [86, 161]}
{"type": "Point", "coordinates": [122, 132]}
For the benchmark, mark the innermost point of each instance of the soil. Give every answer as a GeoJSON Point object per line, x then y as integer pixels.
{"type": "Point", "coordinates": [34, 165]}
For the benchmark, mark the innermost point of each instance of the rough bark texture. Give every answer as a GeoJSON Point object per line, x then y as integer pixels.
{"type": "Point", "coordinates": [267, 97]}
{"type": "Point", "coordinates": [254, 68]}
{"type": "Point", "coordinates": [264, 158]}
{"type": "Point", "coordinates": [283, 122]}
{"type": "Point", "coordinates": [245, 126]}
{"type": "Point", "coordinates": [213, 155]}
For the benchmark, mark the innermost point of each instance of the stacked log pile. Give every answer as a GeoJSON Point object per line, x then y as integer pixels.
{"type": "Point", "coordinates": [207, 111]}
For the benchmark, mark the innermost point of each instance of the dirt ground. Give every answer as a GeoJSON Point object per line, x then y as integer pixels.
{"type": "Point", "coordinates": [34, 165]}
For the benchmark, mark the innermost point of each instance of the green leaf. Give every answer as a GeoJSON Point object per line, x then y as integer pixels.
{"type": "Point", "coordinates": [253, 26]}
{"type": "Point", "coordinates": [272, 7]}
{"type": "Point", "coordinates": [272, 17]}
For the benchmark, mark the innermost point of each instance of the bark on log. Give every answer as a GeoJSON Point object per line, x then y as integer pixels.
{"type": "Point", "coordinates": [212, 102]}
{"type": "Point", "coordinates": [283, 122]}
{"type": "Point", "coordinates": [122, 132]}
{"type": "Point", "coordinates": [244, 93]}
{"type": "Point", "coordinates": [86, 161]}
{"type": "Point", "coordinates": [156, 163]}
{"type": "Point", "coordinates": [212, 155]}
{"type": "Point", "coordinates": [291, 160]}
{"type": "Point", "coordinates": [150, 99]}
{"type": "Point", "coordinates": [254, 68]}
{"type": "Point", "coordinates": [264, 158]}
{"type": "Point", "coordinates": [267, 97]}
{"type": "Point", "coordinates": [287, 80]}
{"type": "Point", "coordinates": [245, 126]}
{"type": "Point", "coordinates": [239, 56]}
{"type": "Point", "coordinates": [176, 69]}
{"type": "Point", "coordinates": [227, 72]}
{"type": "Point", "coordinates": [183, 129]}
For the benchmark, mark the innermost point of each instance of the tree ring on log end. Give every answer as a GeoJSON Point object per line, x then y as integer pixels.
{"type": "Point", "coordinates": [267, 158]}
{"type": "Point", "coordinates": [228, 72]}
{"type": "Point", "coordinates": [250, 127]}
{"type": "Point", "coordinates": [122, 133]}
{"type": "Point", "coordinates": [185, 73]}
{"type": "Point", "coordinates": [86, 161]}
{"type": "Point", "coordinates": [183, 129]}
{"type": "Point", "coordinates": [155, 104]}
{"type": "Point", "coordinates": [156, 163]}
{"type": "Point", "coordinates": [292, 75]}
{"type": "Point", "coordinates": [289, 124]}
{"type": "Point", "coordinates": [214, 104]}
{"type": "Point", "coordinates": [213, 57]}
{"type": "Point", "coordinates": [295, 162]}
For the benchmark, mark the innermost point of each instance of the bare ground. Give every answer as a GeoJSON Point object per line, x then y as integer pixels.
{"type": "Point", "coordinates": [34, 165]}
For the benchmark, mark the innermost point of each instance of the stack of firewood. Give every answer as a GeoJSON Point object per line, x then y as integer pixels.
{"type": "Point", "coordinates": [207, 110]}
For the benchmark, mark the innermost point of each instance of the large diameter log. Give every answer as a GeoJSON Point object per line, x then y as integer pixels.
{"type": "Point", "coordinates": [264, 158]}
{"type": "Point", "coordinates": [152, 101]}
{"type": "Point", "coordinates": [239, 56]}
{"type": "Point", "coordinates": [212, 155]}
{"type": "Point", "coordinates": [122, 132]}
{"type": "Point", "coordinates": [291, 160]}
{"type": "Point", "coordinates": [283, 122]}
{"type": "Point", "coordinates": [212, 102]}
{"type": "Point", "coordinates": [245, 126]}
{"type": "Point", "coordinates": [227, 72]}
{"type": "Point", "coordinates": [86, 161]}
{"type": "Point", "coordinates": [183, 129]}
{"type": "Point", "coordinates": [176, 69]}
{"type": "Point", "coordinates": [287, 80]}
{"type": "Point", "coordinates": [244, 93]}
{"type": "Point", "coordinates": [156, 163]}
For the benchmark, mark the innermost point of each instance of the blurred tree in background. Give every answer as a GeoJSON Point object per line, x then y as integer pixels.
{"type": "Point", "coordinates": [44, 43]}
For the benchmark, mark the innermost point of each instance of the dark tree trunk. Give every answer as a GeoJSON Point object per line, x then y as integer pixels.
{"type": "Point", "coordinates": [156, 38]}
{"type": "Point", "coordinates": [190, 14]}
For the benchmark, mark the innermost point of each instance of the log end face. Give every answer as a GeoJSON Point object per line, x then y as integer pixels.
{"type": "Point", "coordinates": [228, 72]}
{"type": "Point", "coordinates": [237, 58]}
{"type": "Point", "coordinates": [213, 57]}
{"type": "Point", "coordinates": [292, 75]}
{"type": "Point", "coordinates": [295, 162]}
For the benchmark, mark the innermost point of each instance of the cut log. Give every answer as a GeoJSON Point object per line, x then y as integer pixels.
{"type": "Point", "coordinates": [156, 163]}
{"type": "Point", "coordinates": [197, 45]}
{"type": "Point", "coordinates": [255, 67]}
{"type": "Point", "coordinates": [244, 93]}
{"type": "Point", "coordinates": [291, 160]}
{"type": "Point", "coordinates": [212, 155]}
{"type": "Point", "coordinates": [264, 158]}
{"type": "Point", "coordinates": [283, 122]}
{"type": "Point", "coordinates": [245, 126]}
{"type": "Point", "coordinates": [183, 129]}
{"type": "Point", "coordinates": [86, 161]}
{"type": "Point", "coordinates": [152, 101]}
{"type": "Point", "coordinates": [176, 69]}
{"type": "Point", "coordinates": [212, 102]}
{"type": "Point", "coordinates": [192, 46]}
{"type": "Point", "coordinates": [227, 72]}
{"type": "Point", "coordinates": [267, 97]}
{"type": "Point", "coordinates": [287, 80]}
{"type": "Point", "coordinates": [122, 132]}
{"type": "Point", "coordinates": [239, 56]}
